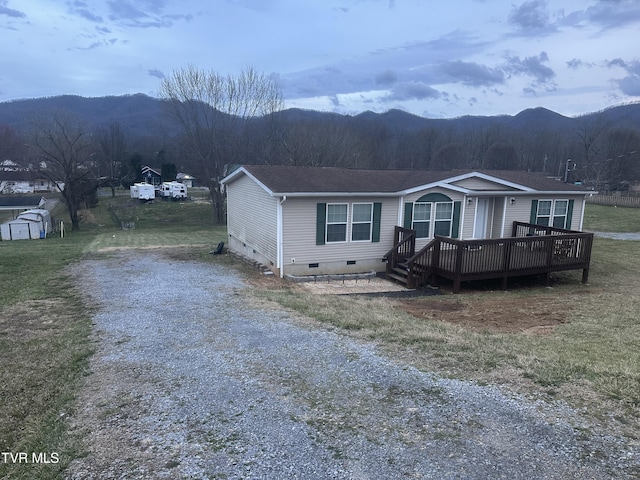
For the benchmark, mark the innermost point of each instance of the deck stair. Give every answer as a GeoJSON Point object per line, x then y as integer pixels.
{"type": "Point", "coordinates": [399, 273]}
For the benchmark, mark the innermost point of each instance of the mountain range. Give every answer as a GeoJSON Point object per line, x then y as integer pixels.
{"type": "Point", "coordinates": [141, 115]}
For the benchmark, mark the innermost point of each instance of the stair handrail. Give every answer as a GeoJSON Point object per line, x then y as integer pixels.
{"type": "Point", "coordinates": [407, 245]}
{"type": "Point", "coordinates": [414, 281]}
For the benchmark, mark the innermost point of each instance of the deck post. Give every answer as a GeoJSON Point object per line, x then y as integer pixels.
{"type": "Point", "coordinates": [435, 263]}
{"type": "Point", "coordinates": [585, 275]}
{"type": "Point", "coordinates": [458, 269]}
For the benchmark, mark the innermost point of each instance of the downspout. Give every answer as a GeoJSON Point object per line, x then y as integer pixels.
{"type": "Point", "coordinates": [584, 205]}
{"type": "Point", "coordinates": [280, 239]}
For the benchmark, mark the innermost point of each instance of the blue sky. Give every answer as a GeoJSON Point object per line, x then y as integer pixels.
{"type": "Point", "coordinates": [438, 59]}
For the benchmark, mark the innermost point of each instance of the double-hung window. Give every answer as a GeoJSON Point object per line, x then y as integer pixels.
{"type": "Point", "coordinates": [361, 222]}
{"type": "Point", "coordinates": [444, 219]}
{"type": "Point", "coordinates": [552, 213]}
{"type": "Point", "coordinates": [422, 219]}
{"type": "Point", "coordinates": [337, 214]}
{"type": "Point", "coordinates": [560, 209]}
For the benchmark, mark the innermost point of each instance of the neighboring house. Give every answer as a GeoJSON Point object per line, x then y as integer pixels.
{"type": "Point", "coordinates": [313, 221]}
{"type": "Point", "coordinates": [17, 204]}
{"type": "Point", "coordinates": [9, 166]}
{"type": "Point", "coordinates": [26, 181]}
{"type": "Point", "coordinates": [151, 176]}
{"type": "Point", "coordinates": [185, 179]}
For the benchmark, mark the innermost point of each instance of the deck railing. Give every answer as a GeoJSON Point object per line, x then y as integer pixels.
{"type": "Point", "coordinates": [532, 250]}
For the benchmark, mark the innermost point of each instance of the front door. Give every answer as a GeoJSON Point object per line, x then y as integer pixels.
{"type": "Point", "coordinates": [482, 217]}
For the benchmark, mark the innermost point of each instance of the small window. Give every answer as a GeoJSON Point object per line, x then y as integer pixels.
{"type": "Point", "coordinates": [337, 222]}
{"type": "Point", "coordinates": [544, 212]}
{"type": "Point", "coordinates": [361, 222]}
{"type": "Point", "coordinates": [444, 219]}
{"type": "Point", "coordinates": [560, 213]}
{"type": "Point", "coordinates": [421, 219]}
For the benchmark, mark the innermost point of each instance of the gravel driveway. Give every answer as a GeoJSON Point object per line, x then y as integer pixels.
{"type": "Point", "coordinates": [191, 379]}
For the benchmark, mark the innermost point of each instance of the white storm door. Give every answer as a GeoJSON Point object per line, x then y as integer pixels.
{"type": "Point", "coordinates": [482, 216]}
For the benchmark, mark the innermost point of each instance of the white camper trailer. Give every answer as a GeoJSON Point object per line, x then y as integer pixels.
{"type": "Point", "coordinates": [143, 191]}
{"type": "Point", "coordinates": [173, 190]}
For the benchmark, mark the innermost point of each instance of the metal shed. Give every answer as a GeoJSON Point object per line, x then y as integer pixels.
{"type": "Point", "coordinates": [31, 224]}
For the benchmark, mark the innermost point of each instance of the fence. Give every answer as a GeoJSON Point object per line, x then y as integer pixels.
{"type": "Point", "coordinates": [614, 200]}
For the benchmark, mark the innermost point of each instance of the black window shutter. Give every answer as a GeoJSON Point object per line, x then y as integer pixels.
{"type": "Point", "coordinates": [455, 228]}
{"type": "Point", "coordinates": [321, 223]}
{"type": "Point", "coordinates": [408, 215]}
{"type": "Point", "coordinates": [377, 211]}
{"type": "Point", "coordinates": [569, 215]}
{"type": "Point", "coordinates": [534, 212]}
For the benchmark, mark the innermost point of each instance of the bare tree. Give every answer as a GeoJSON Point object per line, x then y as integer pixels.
{"type": "Point", "coordinates": [589, 131]}
{"type": "Point", "coordinates": [67, 149]}
{"type": "Point", "coordinates": [11, 145]}
{"type": "Point", "coordinates": [112, 145]}
{"type": "Point", "coordinates": [501, 156]}
{"type": "Point", "coordinates": [213, 111]}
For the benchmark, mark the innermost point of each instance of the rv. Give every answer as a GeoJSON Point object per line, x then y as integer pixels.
{"type": "Point", "coordinates": [143, 191]}
{"type": "Point", "coordinates": [173, 190]}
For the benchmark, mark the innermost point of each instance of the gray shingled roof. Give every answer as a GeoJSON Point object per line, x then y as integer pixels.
{"type": "Point", "coordinates": [294, 179]}
{"type": "Point", "coordinates": [20, 202]}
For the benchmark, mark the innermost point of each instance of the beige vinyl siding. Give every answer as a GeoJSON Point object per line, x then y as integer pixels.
{"type": "Point", "coordinates": [517, 212]}
{"type": "Point", "coordinates": [299, 232]}
{"type": "Point", "coordinates": [252, 217]}
{"type": "Point", "coordinates": [480, 184]}
{"type": "Point", "coordinates": [467, 219]}
{"type": "Point", "coordinates": [578, 206]}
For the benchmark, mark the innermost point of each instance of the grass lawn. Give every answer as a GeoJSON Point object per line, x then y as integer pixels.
{"type": "Point", "coordinates": [45, 324]}
{"type": "Point", "coordinates": [588, 358]}
{"type": "Point", "coordinates": [602, 218]}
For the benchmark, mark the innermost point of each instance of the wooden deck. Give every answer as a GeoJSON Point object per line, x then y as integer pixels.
{"type": "Point", "coordinates": [531, 250]}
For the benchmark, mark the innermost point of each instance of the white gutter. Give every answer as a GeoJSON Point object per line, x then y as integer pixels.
{"type": "Point", "coordinates": [503, 193]}
{"type": "Point", "coordinates": [334, 194]}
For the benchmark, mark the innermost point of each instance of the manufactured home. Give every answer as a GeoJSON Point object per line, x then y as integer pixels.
{"type": "Point", "coordinates": [318, 221]}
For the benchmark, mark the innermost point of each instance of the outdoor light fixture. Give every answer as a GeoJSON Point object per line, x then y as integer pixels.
{"type": "Point", "coordinates": [469, 201]}
{"type": "Point", "coordinates": [512, 200]}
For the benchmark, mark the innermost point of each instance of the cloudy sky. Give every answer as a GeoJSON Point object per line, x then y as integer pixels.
{"type": "Point", "coordinates": [434, 58]}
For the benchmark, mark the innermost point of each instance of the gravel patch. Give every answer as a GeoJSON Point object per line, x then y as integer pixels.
{"type": "Point", "coordinates": [618, 236]}
{"type": "Point", "coordinates": [191, 380]}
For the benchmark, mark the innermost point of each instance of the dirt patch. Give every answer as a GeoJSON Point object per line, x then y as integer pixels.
{"type": "Point", "coordinates": [531, 315]}
{"type": "Point", "coordinates": [535, 315]}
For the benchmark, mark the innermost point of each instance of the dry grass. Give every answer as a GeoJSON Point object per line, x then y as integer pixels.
{"type": "Point", "coordinates": [45, 325]}
{"type": "Point", "coordinates": [571, 342]}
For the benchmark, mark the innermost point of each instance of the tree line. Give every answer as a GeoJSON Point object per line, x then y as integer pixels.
{"type": "Point", "coordinates": [225, 120]}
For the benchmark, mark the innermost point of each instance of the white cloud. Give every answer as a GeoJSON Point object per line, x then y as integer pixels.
{"type": "Point", "coordinates": [478, 57]}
